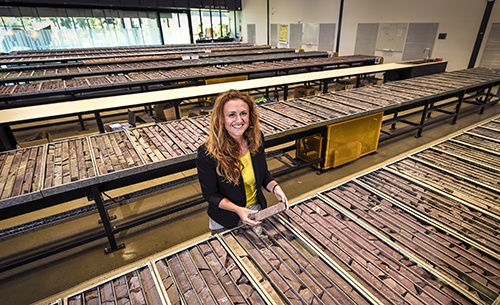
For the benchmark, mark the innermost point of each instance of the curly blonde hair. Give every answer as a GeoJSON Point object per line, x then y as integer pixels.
{"type": "Point", "coordinates": [222, 146]}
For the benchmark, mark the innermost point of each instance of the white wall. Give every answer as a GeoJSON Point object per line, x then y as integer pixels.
{"type": "Point", "coordinates": [254, 12]}
{"type": "Point", "coordinates": [460, 19]}
{"type": "Point", "coordinates": [305, 11]}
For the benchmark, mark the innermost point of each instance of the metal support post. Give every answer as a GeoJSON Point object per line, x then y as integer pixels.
{"type": "Point", "coordinates": [82, 123]}
{"type": "Point", "coordinates": [457, 108]}
{"type": "Point", "coordinates": [422, 120]}
{"type": "Point", "coordinates": [394, 116]}
{"type": "Point", "coordinates": [325, 85]}
{"type": "Point", "coordinates": [7, 139]}
{"type": "Point", "coordinates": [486, 98]}
{"type": "Point", "coordinates": [105, 221]}
{"type": "Point", "coordinates": [99, 121]}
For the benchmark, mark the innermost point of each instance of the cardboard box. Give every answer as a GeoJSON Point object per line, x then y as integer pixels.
{"type": "Point", "coordinates": [345, 84]}
{"type": "Point", "coordinates": [376, 81]}
{"type": "Point", "coordinates": [56, 136]}
{"type": "Point", "coordinates": [37, 139]}
{"type": "Point", "coordinates": [336, 87]}
{"type": "Point", "coordinates": [302, 91]}
{"type": "Point", "coordinates": [310, 148]}
{"type": "Point", "coordinates": [370, 81]}
{"type": "Point", "coordinates": [165, 112]}
{"type": "Point", "coordinates": [349, 86]}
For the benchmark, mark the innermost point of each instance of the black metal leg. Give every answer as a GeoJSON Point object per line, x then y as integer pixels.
{"type": "Point", "coordinates": [393, 125]}
{"type": "Point", "coordinates": [457, 108]}
{"type": "Point", "coordinates": [7, 139]}
{"type": "Point", "coordinates": [82, 123]}
{"type": "Point", "coordinates": [105, 221]}
{"type": "Point", "coordinates": [422, 120]}
{"type": "Point", "coordinates": [99, 121]}
{"type": "Point", "coordinates": [485, 100]}
{"type": "Point", "coordinates": [431, 106]}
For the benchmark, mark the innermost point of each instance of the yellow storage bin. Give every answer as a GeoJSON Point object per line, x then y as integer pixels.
{"type": "Point", "coordinates": [345, 141]}
{"type": "Point", "coordinates": [218, 80]}
{"type": "Point", "coordinates": [227, 79]}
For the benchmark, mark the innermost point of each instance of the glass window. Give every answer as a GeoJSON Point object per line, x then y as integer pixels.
{"type": "Point", "coordinates": [12, 22]}
{"type": "Point", "coordinates": [16, 37]}
{"type": "Point", "coordinates": [206, 20]}
{"type": "Point", "coordinates": [149, 31]}
{"type": "Point", "coordinates": [217, 25]}
{"type": "Point", "coordinates": [45, 28]}
{"type": "Point", "coordinates": [197, 25]}
{"type": "Point", "coordinates": [227, 24]}
{"type": "Point", "coordinates": [213, 24]}
{"type": "Point", "coordinates": [175, 28]}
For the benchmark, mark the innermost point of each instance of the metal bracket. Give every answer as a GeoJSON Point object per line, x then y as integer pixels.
{"type": "Point", "coordinates": [112, 217]}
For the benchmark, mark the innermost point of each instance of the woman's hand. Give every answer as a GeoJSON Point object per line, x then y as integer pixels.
{"type": "Point", "coordinates": [280, 195]}
{"type": "Point", "coordinates": [244, 214]}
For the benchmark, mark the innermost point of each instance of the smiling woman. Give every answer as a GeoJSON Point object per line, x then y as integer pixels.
{"type": "Point", "coordinates": [231, 164]}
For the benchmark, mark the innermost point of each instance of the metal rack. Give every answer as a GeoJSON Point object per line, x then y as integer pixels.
{"type": "Point", "coordinates": [137, 168]}
{"type": "Point", "coordinates": [387, 236]}
{"type": "Point", "coordinates": [35, 90]}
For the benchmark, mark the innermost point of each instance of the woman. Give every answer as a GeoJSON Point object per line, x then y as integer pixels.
{"type": "Point", "coordinates": [231, 164]}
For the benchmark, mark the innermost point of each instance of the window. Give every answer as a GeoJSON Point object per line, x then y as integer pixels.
{"type": "Point", "coordinates": [46, 28]}
{"type": "Point", "coordinates": [212, 24]}
{"type": "Point", "coordinates": [175, 28]}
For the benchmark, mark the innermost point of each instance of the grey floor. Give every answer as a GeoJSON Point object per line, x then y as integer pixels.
{"type": "Point", "coordinates": [44, 281]}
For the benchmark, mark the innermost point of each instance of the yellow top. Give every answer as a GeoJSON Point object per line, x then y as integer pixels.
{"type": "Point", "coordinates": [248, 179]}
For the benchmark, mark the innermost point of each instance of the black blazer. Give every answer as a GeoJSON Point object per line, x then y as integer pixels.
{"type": "Point", "coordinates": [214, 188]}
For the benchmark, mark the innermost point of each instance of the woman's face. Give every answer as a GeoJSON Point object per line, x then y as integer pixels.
{"type": "Point", "coordinates": [236, 118]}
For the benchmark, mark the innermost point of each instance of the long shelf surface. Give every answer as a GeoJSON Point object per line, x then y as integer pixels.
{"type": "Point", "coordinates": [120, 156]}
{"type": "Point", "coordinates": [12, 115]}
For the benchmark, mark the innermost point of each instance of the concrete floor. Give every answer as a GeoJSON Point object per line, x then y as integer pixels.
{"type": "Point", "coordinates": [45, 280]}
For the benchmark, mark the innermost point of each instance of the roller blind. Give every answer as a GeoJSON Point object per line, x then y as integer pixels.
{"type": "Point", "coordinates": [421, 36]}
{"type": "Point", "coordinates": [274, 34]}
{"type": "Point", "coordinates": [251, 33]}
{"type": "Point", "coordinates": [326, 40]}
{"type": "Point", "coordinates": [366, 38]}
{"type": "Point", "coordinates": [295, 35]}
